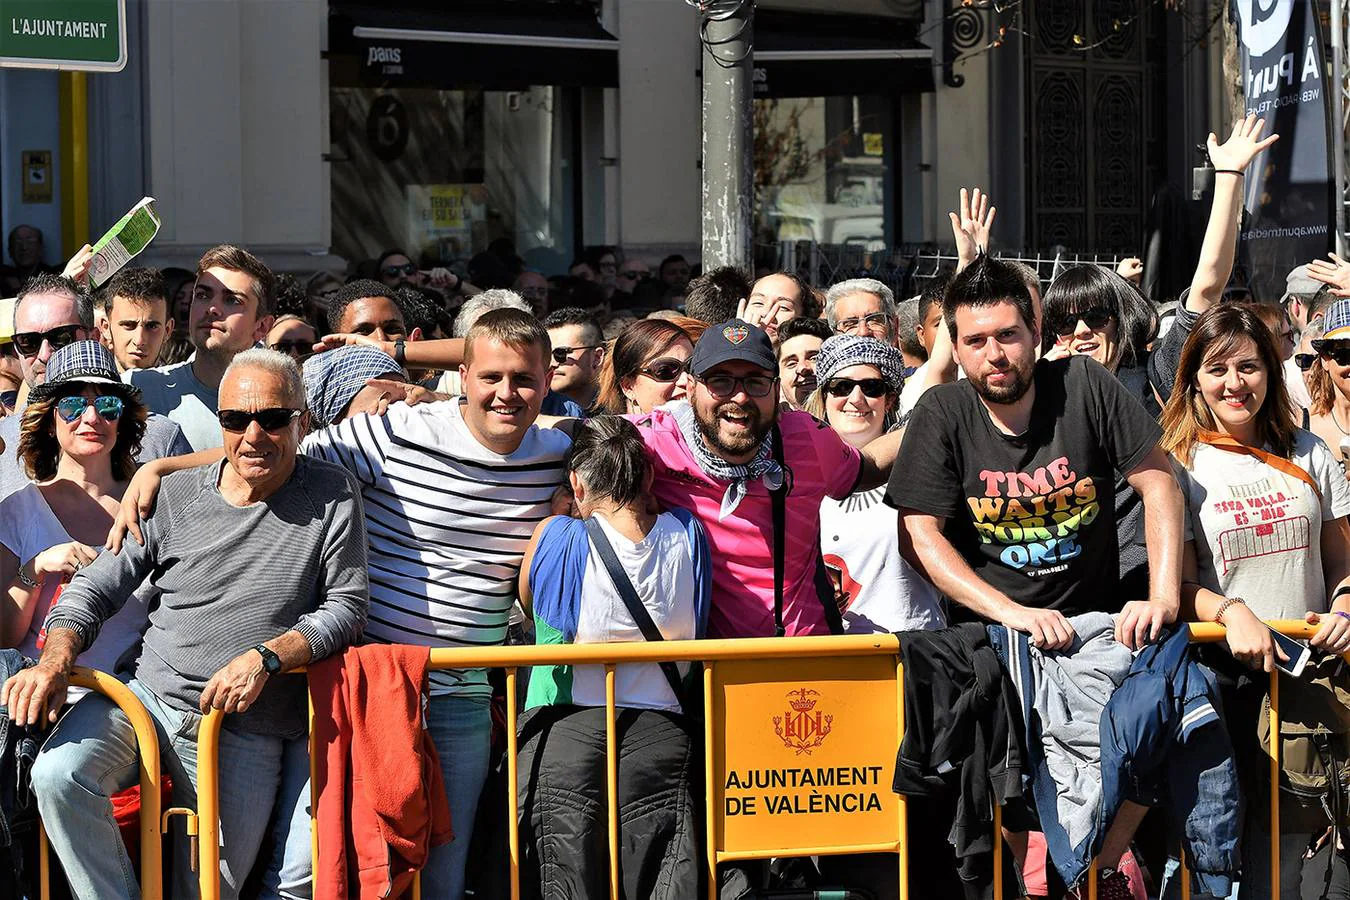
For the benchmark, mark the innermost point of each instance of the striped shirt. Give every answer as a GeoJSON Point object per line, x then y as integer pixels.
{"type": "Point", "coordinates": [448, 521]}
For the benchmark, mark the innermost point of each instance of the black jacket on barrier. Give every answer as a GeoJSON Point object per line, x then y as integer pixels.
{"type": "Point", "coordinates": [18, 808]}
{"type": "Point", "coordinates": [963, 731]}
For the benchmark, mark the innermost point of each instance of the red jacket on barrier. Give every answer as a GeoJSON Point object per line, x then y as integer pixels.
{"type": "Point", "coordinates": [381, 800]}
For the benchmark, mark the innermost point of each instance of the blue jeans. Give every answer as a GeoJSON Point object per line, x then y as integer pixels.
{"type": "Point", "coordinates": [461, 729]}
{"type": "Point", "coordinates": [92, 755]}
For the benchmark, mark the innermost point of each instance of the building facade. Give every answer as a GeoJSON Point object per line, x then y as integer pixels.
{"type": "Point", "coordinates": [322, 132]}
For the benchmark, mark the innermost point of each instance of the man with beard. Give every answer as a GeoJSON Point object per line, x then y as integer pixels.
{"type": "Point", "coordinates": [724, 452]}
{"type": "Point", "coordinates": [1004, 486]}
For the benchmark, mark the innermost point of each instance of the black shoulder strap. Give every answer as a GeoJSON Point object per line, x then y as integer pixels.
{"type": "Point", "coordinates": [779, 497]}
{"type": "Point", "coordinates": [624, 585]}
{"type": "Point", "coordinates": [824, 590]}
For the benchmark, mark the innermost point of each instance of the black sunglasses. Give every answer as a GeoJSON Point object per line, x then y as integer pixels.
{"type": "Point", "coordinates": [1338, 355]}
{"type": "Point", "coordinates": [663, 370]}
{"type": "Point", "coordinates": [405, 269]}
{"type": "Point", "coordinates": [30, 342]}
{"type": "Point", "coordinates": [1305, 360]}
{"type": "Point", "coordinates": [274, 419]}
{"type": "Point", "coordinates": [871, 387]}
{"type": "Point", "coordinates": [723, 386]}
{"type": "Point", "coordinates": [294, 348]}
{"type": "Point", "coordinates": [635, 274]}
{"type": "Point", "coordinates": [561, 354]}
{"type": "Point", "coordinates": [1095, 319]}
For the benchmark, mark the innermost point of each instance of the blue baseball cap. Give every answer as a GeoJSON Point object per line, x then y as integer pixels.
{"type": "Point", "coordinates": [735, 340]}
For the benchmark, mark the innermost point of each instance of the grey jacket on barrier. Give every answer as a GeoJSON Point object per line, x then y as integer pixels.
{"type": "Point", "coordinates": [1063, 694]}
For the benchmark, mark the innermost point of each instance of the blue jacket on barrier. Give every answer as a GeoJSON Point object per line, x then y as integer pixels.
{"type": "Point", "coordinates": [1164, 741]}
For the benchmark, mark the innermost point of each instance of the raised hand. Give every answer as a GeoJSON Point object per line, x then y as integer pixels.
{"type": "Point", "coordinates": [970, 228]}
{"type": "Point", "coordinates": [1236, 153]}
{"type": "Point", "coordinates": [1335, 273]}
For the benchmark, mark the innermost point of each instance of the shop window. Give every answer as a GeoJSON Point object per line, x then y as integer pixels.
{"type": "Point", "coordinates": [445, 173]}
{"type": "Point", "coordinates": [823, 170]}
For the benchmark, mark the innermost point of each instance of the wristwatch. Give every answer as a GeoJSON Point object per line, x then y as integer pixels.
{"type": "Point", "coordinates": [271, 662]}
{"type": "Point", "coordinates": [399, 356]}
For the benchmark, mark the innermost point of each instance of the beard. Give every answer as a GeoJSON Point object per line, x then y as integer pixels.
{"type": "Point", "coordinates": [1003, 394]}
{"type": "Point", "coordinates": [756, 429]}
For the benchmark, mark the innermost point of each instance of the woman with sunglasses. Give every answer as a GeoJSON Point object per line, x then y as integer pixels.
{"type": "Point", "coordinates": [81, 431]}
{"type": "Point", "coordinates": [646, 367]}
{"type": "Point", "coordinates": [858, 387]}
{"type": "Point", "coordinates": [1327, 372]}
{"type": "Point", "coordinates": [1268, 536]}
{"type": "Point", "coordinates": [292, 336]}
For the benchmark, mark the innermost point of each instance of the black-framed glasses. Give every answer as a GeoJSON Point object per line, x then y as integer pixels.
{"type": "Point", "coordinates": [405, 269]}
{"type": "Point", "coordinates": [1095, 319]}
{"type": "Point", "coordinates": [108, 407]}
{"type": "Point", "coordinates": [272, 419]}
{"type": "Point", "coordinates": [1304, 360]}
{"type": "Point", "coordinates": [877, 321]}
{"type": "Point", "coordinates": [723, 386]}
{"type": "Point", "coordinates": [843, 387]}
{"type": "Point", "coordinates": [1339, 355]}
{"type": "Point", "coordinates": [293, 348]}
{"type": "Point", "coordinates": [30, 342]}
{"type": "Point", "coordinates": [663, 370]}
{"type": "Point", "coordinates": [561, 354]}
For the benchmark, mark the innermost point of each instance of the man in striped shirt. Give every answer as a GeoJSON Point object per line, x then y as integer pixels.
{"type": "Point", "coordinates": [453, 491]}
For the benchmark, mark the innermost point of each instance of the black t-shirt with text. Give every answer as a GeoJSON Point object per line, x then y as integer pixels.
{"type": "Point", "coordinates": [1032, 514]}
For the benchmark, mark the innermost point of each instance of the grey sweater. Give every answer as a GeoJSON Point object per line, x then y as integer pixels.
{"type": "Point", "coordinates": [232, 577]}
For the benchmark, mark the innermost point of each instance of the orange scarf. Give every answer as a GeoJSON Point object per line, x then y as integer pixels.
{"type": "Point", "coordinates": [1233, 445]}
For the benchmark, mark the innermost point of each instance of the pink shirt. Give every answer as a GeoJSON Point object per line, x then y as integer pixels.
{"type": "Point", "coordinates": [820, 465]}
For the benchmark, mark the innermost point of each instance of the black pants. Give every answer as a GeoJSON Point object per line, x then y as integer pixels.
{"type": "Point", "coordinates": [564, 840]}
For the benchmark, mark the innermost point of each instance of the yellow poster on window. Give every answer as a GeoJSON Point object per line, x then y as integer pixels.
{"type": "Point", "coordinates": [443, 213]}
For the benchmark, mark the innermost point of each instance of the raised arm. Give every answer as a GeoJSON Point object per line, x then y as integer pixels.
{"type": "Point", "coordinates": [971, 226]}
{"type": "Point", "coordinates": [1219, 248]}
{"type": "Point", "coordinates": [445, 353]}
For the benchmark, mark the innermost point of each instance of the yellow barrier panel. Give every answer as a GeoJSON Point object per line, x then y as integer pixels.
{"type": "Point", "coordinates": [147, 742]}
{"type": "Point", "coordinates": [775, 710]}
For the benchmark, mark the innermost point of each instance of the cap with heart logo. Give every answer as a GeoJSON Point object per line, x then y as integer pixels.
{"type": "Point", "coordinates": [733, 341]}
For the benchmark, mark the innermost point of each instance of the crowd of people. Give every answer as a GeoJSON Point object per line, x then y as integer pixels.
{"type": "Point", "coordinates": [209, 479]}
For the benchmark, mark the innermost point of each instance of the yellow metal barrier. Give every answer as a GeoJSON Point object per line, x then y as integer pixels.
{"type": "Point", "coordinates": [152, 871]}
{"type": "Point", "coordinates": [742, 682]}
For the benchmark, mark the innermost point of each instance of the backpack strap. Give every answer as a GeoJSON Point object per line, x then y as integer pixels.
{"type": "Point", "coordinates": [779, 498]}
{"type": "Point", "coordinates": [624, 585]}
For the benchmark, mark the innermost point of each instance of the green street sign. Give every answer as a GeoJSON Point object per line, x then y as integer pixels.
{"type": "Point", "coordinates": [73, 35]}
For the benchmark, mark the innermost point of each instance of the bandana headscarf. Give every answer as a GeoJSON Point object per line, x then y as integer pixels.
{"type": "Point", "coordinates": [335, 377]}
{"type": "Point", "coordinates": [844, 350]}
{"type": "Point", "coordinates": [763, 466]}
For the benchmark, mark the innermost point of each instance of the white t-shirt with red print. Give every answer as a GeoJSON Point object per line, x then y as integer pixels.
{"type": "Point", "coordinates": [877, 590]}
{"type": "Point", "coordinates": [1258, 531]}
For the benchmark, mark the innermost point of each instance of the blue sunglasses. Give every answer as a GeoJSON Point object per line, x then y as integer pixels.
{"type": "Point", "coordinates": [71, 408]}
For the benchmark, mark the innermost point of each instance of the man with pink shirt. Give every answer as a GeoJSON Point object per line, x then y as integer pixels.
{"type": "Point", "coordinates": [723, 454]}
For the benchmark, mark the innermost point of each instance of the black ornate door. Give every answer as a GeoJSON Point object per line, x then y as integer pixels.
{"type": "Point", "coordinates": [1093, 128]}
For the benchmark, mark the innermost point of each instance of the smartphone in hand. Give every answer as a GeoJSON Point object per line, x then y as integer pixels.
{"type": "Point", "coordinates": [1298, 653]}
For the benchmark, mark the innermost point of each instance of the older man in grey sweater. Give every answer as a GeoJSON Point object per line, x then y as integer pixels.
{"type": "Point", "coordinates": [261, 561]}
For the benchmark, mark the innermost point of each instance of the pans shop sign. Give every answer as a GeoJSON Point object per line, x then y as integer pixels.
{"type": "Point", "coordinates": [73, 35]}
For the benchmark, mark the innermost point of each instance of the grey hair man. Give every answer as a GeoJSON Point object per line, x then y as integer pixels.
{"type": "Point", "coordinates": [50, 312]}
{"type": "Point", "coordinates": [475, 306]}
{"type": "Point", "coordinates": [865, 307]}
{"type": "Point", "coordinates": [229, 623]}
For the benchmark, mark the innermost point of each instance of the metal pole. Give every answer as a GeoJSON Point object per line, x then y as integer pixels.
{"type": "Point", "coordinates": [728, 173]}
{"type": "Point", "coordinates": [1338, 118]}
